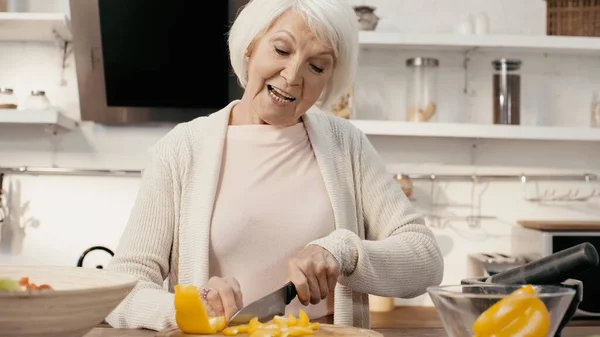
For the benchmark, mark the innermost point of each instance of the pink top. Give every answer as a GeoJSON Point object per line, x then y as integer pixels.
{"type": "Point", "coordinates": [271, 202]}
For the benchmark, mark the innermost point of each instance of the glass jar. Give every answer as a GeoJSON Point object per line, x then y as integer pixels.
{"type": "Point", "coordinates": [37, 101]}
{"type": "Point", "coordinates": [422, 89]}
{"type": "Point", "coordinates": [344, 106]}
{"type": "Point", "coordinates": [8, 100]}
{"type": "Point", "coordinates": [506, 91]}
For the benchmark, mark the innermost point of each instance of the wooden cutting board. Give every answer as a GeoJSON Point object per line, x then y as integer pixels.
{"type": "Point", "coordinates": [560, 225]}
{"type": "Point", "coordinates": [325, 330]}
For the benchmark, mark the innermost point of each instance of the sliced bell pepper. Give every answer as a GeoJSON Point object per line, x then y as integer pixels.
{"type": "Point", "coordinates": [279, 326]}
{"type": "Point", "coordinates": [191, 315]}
{"type": "Point", "coordinates": [303, 319]}
{"type": "Point", "coordinates": [517, 315]}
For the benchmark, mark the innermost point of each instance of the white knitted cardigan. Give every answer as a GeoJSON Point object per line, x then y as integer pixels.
{"type": "Point", "coordinates": [384, 248]}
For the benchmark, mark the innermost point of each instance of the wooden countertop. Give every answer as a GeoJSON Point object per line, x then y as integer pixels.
{"type": "Point", "coordinates": [402, 322]}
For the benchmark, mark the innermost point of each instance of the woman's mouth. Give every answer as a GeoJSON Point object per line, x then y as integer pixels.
{"type": "Point", "coordinates": [279, 95]}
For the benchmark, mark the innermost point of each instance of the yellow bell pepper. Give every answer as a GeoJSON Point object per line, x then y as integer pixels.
{"type": "Point", "coordinates": [516, 315]}
{"type": "Point", "coordinates": [279, 326]}
{"type": "Point", "coordinates": [191, 315]}
{"type": "Point", "coordinates": [192, 318]}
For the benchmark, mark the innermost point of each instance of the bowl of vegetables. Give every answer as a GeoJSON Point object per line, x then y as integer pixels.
{"type": "Point", "coordinates": [54, 301]}
{"type": "Point", "coordinates": [501, 310]}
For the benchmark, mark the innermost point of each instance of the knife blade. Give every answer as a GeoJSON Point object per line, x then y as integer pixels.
{"type": "Point", "coordinates": [266, 307]}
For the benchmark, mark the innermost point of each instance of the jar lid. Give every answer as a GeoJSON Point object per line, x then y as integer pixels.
{"type": "Point", "coordinates": [422, 61]}
{"type": "Point", "coordinates": [37, 93]}
{"type": "Point", "coordinates": [511, 64]}
{"type": "Point", "coordinates": [6, 90]}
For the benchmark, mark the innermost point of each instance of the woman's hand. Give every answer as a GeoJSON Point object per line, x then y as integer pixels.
{"type": "Point", "coordinates": [314, 272]}
{"type": "Point", "coordinates": [221, 296]}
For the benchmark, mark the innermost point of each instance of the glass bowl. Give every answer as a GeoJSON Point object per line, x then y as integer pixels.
{"type": "Point", "coordinates": [501, 310]}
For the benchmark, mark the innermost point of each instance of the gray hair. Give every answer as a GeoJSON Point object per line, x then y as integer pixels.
{"type": "Point", "coordinates": [333, 20]}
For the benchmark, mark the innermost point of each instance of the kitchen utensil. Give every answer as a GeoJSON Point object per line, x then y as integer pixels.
{"type": "Point", "coordinates": [459, 306]}
{"type": "Point", "coordinates": [267, 307]}
{"type": "Point", "coordinates": [494, 263]}
{"type": "Point", "coordinates": [81, 299]}
{"type": "Point", "coordinates": [551, 269]}
{"type": "Point", "coordinates": [325, 330]}
{"type": "Point", "coordinates": [556, 269]}
{"type": "Point", "coordinates": [543, 237]}
{"type": "Point", "coordinates": [405, 183]}
{"type": "Point", "coordinates": [91, 249]}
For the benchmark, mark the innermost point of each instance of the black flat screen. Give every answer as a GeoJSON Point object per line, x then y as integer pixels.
{"type": "Point", "coordinates": [161, 53]}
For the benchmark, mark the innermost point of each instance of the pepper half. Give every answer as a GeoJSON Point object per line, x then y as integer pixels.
{"type": "Point", "coordinates": [518, 315]}
{"type": "Point", "coordinates": [191, 315]}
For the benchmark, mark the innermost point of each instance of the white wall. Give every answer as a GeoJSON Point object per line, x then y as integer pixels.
{"type": "Point", "coordinates": [83, 211]}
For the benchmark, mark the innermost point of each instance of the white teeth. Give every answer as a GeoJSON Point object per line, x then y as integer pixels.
{"type": "Point", "coordinates": [283, 93]}
{"type": "Point", "coordinates": [281, 100]}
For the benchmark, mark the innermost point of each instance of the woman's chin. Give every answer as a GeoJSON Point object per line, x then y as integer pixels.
{"type": "Point", "coordinates": [275, 119]}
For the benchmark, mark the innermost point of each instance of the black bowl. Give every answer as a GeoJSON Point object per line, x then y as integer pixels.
{"type": "Point", "coordinates": [570, 283]}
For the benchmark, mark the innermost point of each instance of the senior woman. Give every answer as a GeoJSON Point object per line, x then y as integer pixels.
{"type": "Point", "coordinates": [265, 191]}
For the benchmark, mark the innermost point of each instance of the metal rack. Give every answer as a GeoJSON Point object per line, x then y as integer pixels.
{"type": "Point", "coordinates": [68, 171]}
{"type": "Point", "coordinates": [506, 177]}
{"type": "Point", "coordinates": [30, 170]}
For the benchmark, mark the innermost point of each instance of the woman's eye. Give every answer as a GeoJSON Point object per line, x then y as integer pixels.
{"type": "Point", "coordinates": [317, 69]}
{"type": "Point", "coordinates": [281, 52]}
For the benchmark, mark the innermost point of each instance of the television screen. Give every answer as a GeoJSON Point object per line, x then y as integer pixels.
{"type": "Point", "coordinates": [165, 53]}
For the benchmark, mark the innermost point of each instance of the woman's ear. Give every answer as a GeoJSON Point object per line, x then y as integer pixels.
{"type": "Point", "coordinates": [249, 49]}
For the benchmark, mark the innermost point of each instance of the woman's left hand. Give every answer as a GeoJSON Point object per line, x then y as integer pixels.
{"type": "Point", "coordinates": [314, 272]}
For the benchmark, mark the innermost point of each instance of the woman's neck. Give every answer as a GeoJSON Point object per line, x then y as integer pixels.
{"type": "Point", "coordinates": [242, 114]}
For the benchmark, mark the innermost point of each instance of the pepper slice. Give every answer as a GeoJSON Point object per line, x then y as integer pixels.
{"type": "Point", "coordinates": [191, 315]}
{"type": "Point", "coordinates": [279, 326]}
{"type": "Point", "coordinates": [517, 315]}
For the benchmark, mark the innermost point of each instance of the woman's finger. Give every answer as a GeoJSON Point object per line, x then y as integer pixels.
{"type": "Point", "coordinates": [237, 291]}
{"type": "Point", "coordinates": [228, 300]}
{"type": "Point", "coordinates": [333, 272]}
{"type": "Point", "coordinates": [213, 299]}
{"type": "Point", "coordinates": [299, 280]}
{"type": "Point", "coordinates": [313, 286]}
{"type": "Point", "coordinates": [320, 270]}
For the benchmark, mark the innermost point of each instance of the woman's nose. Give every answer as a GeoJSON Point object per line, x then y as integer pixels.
{"type": "Point", "coordinates": [292, 74]}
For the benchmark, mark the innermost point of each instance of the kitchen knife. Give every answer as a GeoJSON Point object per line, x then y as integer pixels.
{"type": "Point", "coordinates": [267, 307]}
{"type": "Point", "coordinates": [551, 269]}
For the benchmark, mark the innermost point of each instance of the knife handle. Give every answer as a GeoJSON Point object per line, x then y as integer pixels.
{"type": "Point", "coordinates": [551, 269]}
{"type": "Point", "coordinates": [290, 293]}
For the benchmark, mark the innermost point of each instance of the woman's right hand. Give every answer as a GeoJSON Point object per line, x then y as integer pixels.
{"type": "Point", "coordinates": [221, 296]}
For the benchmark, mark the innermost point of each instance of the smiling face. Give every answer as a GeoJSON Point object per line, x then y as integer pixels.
{"type": "Point", "coordinates": [288, 68]}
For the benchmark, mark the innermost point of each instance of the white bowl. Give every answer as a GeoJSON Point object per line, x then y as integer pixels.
{"type": "Point", "coordinates": [81, 299]}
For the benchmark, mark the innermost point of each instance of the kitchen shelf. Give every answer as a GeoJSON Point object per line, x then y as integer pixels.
{"type": "Point", "coordinates": [491, 42]}
{"type": "Point", "coordinates": [478, 131]}
{"type": "Point", "coordinates": [34, 27]}
{"type": "Point", "coordinates": [51, 118]}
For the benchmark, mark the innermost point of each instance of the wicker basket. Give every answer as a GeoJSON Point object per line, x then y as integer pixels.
{"type": "Point", "coordinates": [573, 17]}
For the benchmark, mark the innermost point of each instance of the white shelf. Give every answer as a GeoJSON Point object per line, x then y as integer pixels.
{"type": "Point", "coordinates": [491, 42]}
{"type": "Point", "coordinates": [34, 26]}
{"type": "Point", "coordinates": [32, 117]}
{"type": "Point", "coordinates": [478, 131]}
